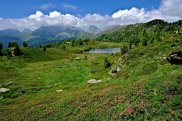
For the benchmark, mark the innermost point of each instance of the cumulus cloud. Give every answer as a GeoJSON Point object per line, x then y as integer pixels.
{"type": "Point", "coordinates": [171, 7]}
{"type": "Point", "coordinates": [170, 10]}
{"type": "Point", "coordinates": [54, 14]}
{"type": "Point", "coordinates": [37, 15]}
{"type": "Point", "coordinates": [69, 6]}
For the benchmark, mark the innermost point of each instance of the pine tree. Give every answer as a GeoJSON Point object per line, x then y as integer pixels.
{"type": "Point", "coordinates": [80, 42]}
{"type": "Point", "coordinates": [9, 44]}
{"type": "Point", "coordinates": [25, 44]}
{"type": "Point", "coordinates": [17, 50]}
{"type": "Point", "coordinates": [130, 44]}
{"type": "Point", "coordinates": [1, 48]}
{"type": "Point", "coordinates": [44, 49]}
{"type": "Point", "coordinates": [64, 48]}
{"type": "Point", "coordinates": [107, 64]}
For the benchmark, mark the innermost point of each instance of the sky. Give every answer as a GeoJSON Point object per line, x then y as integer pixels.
{"type": "Point", "coordinates": [22, 8]}
{"type": "Point", "coordinates": [31, 14]}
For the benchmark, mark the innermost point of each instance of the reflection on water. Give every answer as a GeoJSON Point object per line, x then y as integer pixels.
{"type": "Point", "coordinates": [105, 50]}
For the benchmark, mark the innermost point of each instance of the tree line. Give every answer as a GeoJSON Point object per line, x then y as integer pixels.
{"type": "Point", "coordinates": [12, 50]}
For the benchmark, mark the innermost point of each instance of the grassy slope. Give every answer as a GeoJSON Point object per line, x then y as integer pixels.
{"type": "Point", "coordinates": [147, 84]}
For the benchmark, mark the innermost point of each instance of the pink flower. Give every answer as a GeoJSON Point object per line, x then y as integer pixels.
{"type": "Point", "coordinates": [130, 110]}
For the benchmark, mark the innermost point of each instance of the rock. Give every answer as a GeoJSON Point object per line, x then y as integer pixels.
{"type": "Point", "coordinates": [118, 69]}
{"type": "Point", "coordinates": [77, 58]}
{"type": "Point", "coordinates": [59, 90]}
{"type": "Point", "coordinates": [1, 97]}
{"type": "Point", "coordinates": [113, 73]}
{"type": "Point", "coordinates": [2, 90]}
{"type": "Point", "coordinates": [93, 81]}
{"type": "Point", "coordinates": [175, 57]}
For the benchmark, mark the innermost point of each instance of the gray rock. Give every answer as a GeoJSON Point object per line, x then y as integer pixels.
{"type": "Point", "coordinates": [2, 90]}
{"type": "Point", "coordinates": [59, 90]}
{"type": "Point", "coordinates": [175, 57]}
{"type": "Point", "coordinates": [93, 81]}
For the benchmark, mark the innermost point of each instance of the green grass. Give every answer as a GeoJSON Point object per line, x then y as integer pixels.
{"type": "Point", "coordinates": [147, 83]}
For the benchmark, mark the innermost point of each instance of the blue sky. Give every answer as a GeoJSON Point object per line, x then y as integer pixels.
{"type": "Point", "coordinates": [23, 8]}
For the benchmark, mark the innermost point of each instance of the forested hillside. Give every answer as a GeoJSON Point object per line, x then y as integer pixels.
{"type": "Point", "coordinates": [156, 30]}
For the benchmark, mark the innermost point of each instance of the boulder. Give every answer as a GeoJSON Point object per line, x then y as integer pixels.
{"type": "Point", "coordinates": [59, 90]}
{"type": "Point", "coordinates": [2, 90]}
{"type": "Point", "coordinates": [175, 57]}
{"type": "Point", "coordinates": [93, 81]}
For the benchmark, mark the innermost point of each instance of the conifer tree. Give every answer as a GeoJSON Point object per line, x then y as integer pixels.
{"type": "Point", "coordinates": [1, 48]}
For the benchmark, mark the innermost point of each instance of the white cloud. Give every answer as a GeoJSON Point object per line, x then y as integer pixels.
{"type": "Point", "coordinates": [171, 7]}
{"type": "Point", "coordinates": [54, 14]}
{"type": "Point", "coordinates": [69, 6]}
{"type": "Point", "coordinates": [170, 10]}
{"type": "Point", "coordinates": [37, 15]}
{"type": "Point", "coordinates": [133, 12]}
{"type": "Point", "coordinates": [46, 6]}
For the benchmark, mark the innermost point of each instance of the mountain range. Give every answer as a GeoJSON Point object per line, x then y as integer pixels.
{"type": "Point", "coordinates": [47, 35]}
{"type": "Point", "coordinates": [52, 34]}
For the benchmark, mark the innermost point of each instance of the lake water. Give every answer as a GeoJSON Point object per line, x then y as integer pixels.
{"type": "Point", "coordinates": [105, 50]}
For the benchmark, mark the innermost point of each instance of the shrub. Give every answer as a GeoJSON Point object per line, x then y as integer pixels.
{"type": "Point", "coordinates": [136, 42]}
{"type": "Point", "coordinates": [144, 43]}
{"type": "Point", "coordinates": [124, 49]}
{"type": "Point", "coordinates": [64, 48]}
{"type": "Point", "coordinates": [107, 64]}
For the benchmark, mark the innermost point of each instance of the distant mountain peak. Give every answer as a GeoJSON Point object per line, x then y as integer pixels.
{"type": "Point", "coordinates": [26, 31]}
{"type": "Point", "coordinates": [93, 29]}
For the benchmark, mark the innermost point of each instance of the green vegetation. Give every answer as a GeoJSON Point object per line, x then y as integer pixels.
{"type": "Point", "coordinates": [147, 87]}
{"type": "Point", "coordinates": [44, 48]}
{"type": "Point", "coordinates": [144, 33]}
{"type": "Point", "coordinates": [124, 49]}
{"type": "Point", "coordinates": [17, 50]}
{"type": "Point", "coordinates": [1, 49]}
{"type": "Point", "coordinates": [25, 44]}
{"type": "Point", "coordinates": [107, 64]}
{"type": "Point", "coordinates": [12, 50]}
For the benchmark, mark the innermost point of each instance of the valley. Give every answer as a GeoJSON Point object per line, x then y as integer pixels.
{"type": "Point", "coordinates": [53, 82]}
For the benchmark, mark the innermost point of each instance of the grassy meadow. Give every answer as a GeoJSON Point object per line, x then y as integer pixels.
{"type": "Point", "coordinates": [146, 88]}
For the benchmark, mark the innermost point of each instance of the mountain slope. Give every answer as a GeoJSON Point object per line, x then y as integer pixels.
{"type": "Point", "coordinates": [93, 29]}
{"type": "Point", "coordinates": [43, 35]}
{"type": "Point", "coordinates": [54, 31]}
{"type": "Point", "coordinates": [152, 30]}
